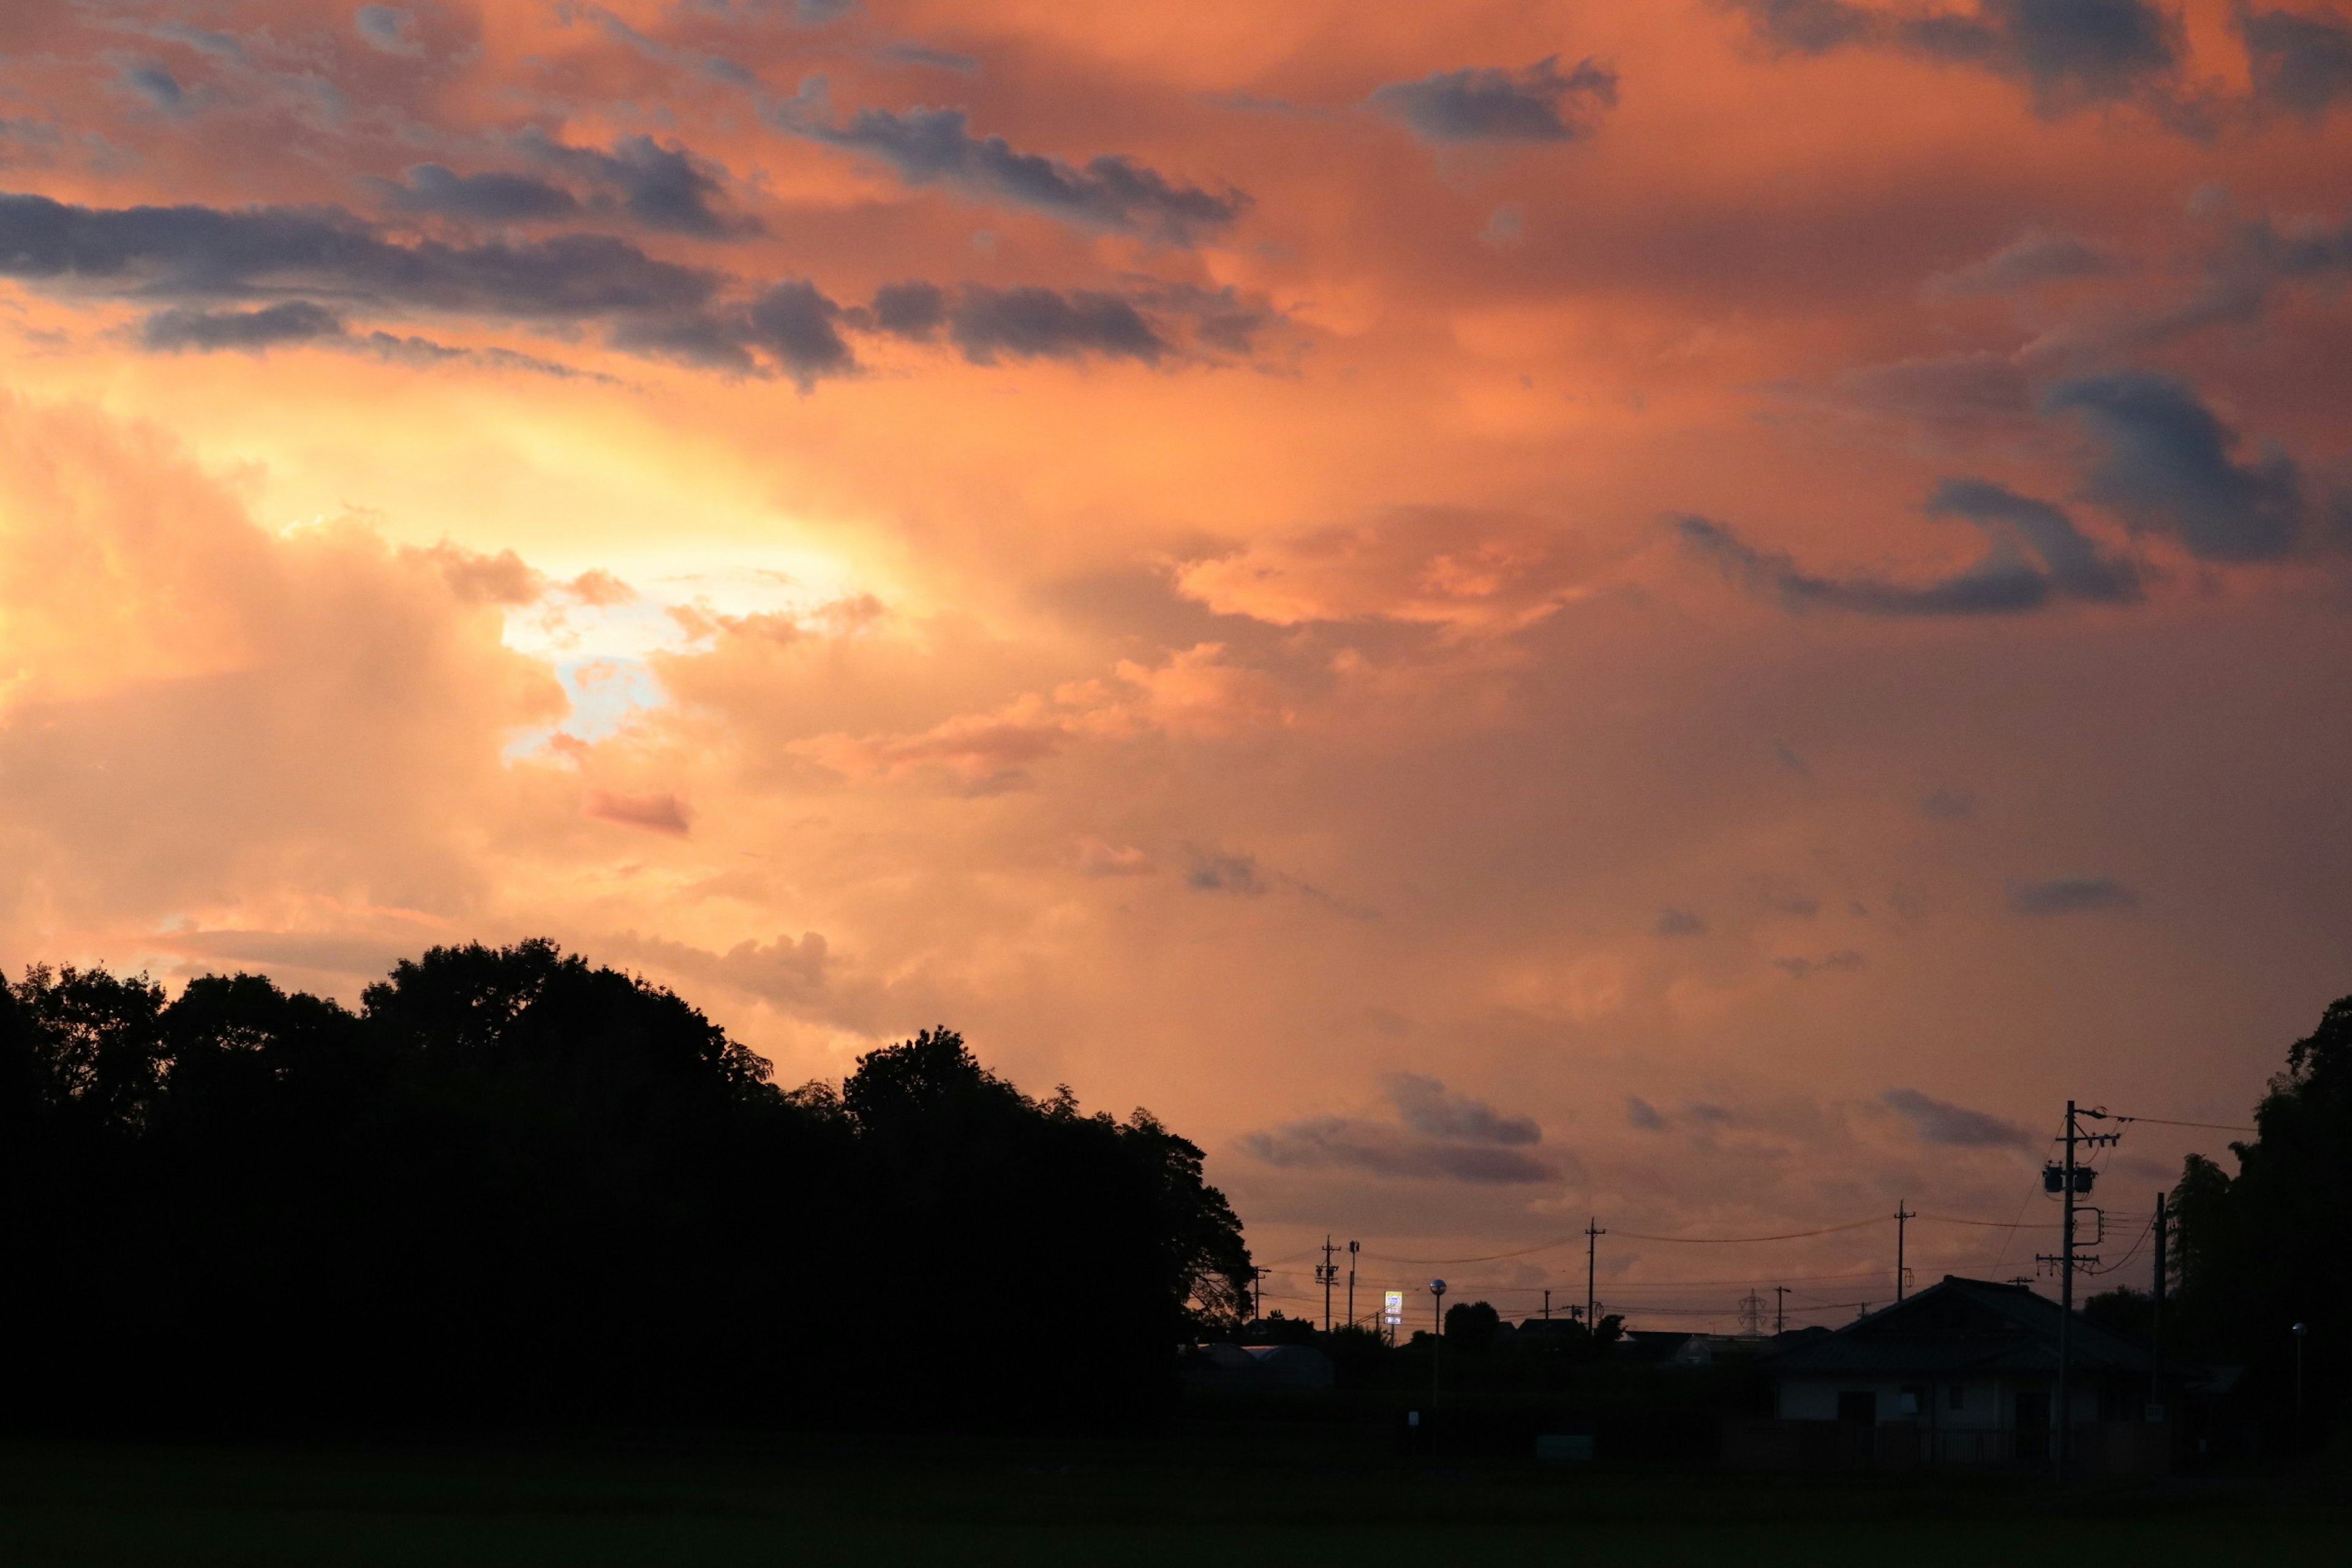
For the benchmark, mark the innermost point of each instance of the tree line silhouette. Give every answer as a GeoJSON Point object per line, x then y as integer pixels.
{"type": "Point", "coordinates": [513, 1187]}
{"type": "Point", "coordinates": [2271, 1247]}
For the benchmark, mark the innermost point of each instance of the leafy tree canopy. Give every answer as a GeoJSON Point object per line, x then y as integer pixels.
{"type": "Point", "coordinates": [515, 1185]}
{"type": "Point", "coordinates": [2271, 1246]}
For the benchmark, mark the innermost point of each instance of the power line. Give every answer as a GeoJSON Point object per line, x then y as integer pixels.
{"type": "Point", "coordinates": [2146, 1231]}
{"type": "Point", "coordinates": [2209, 1126]}
{"type": "Point", "coordinates": [1741, 1240]}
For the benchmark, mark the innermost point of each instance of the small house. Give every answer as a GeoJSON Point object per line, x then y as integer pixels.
{"type": "Point", "coordinates": [1965, 1372]}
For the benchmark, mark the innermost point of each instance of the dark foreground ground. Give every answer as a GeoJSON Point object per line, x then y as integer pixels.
{"type": "Point", "coordinates": [1199, 1500]}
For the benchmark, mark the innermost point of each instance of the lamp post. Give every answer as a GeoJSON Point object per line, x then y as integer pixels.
{"type": "Point", "coordinates": [2299, 1331]}
{"type": "Point", "coordinates": [1438, 1340]}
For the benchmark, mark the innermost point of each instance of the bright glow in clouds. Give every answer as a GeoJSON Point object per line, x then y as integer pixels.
{"type": "Point", "coordinates": [598, 630]}
{"type": "Point", "coordinates": [1504, 613]}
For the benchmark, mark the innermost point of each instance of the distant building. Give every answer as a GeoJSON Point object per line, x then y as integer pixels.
{"type": "Point", "coordinates": [1550, 1331]}
{"type": "Point", "coordinates": [1964, 1372]}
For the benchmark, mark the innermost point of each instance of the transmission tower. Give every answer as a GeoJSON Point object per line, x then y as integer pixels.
{"type": "Point", "coordinates": [1751, 1315]}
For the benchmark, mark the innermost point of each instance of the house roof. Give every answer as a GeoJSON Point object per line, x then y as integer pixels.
{"type": "Point", "coordinates": [1961, 1325]}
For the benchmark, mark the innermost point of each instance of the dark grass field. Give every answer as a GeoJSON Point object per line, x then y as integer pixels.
{"type": "Point", "coordinates": [1195, 1501]}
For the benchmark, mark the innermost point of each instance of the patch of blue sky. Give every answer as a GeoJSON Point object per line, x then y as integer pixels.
{"type": "Point", "coordinates": [605, 694]}
{"type": "Point", "coordinates": [601, 652]}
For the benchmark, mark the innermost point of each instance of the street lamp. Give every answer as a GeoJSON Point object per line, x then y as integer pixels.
{"type": "Point", "coordinates": [1436, 1340]}
{"type": "Point", "coordinates": [2299, 1331]}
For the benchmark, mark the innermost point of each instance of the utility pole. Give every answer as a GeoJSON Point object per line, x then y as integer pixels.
{"type": "Point", "coordinates": [1902, 1218]}
{"type": "Point", "coordinates": [2298, 1331]}
{"type": "Point", "coordinates": [1546, 1303]}
{"type": "Point", "coordinates": [1326, 1274]}
{"type": "Point", "coordinates": [2155, 1314]}
{"type": "Point", "coordinates": [1592, 1235]}
{"type": "Point", "coordinates": [1438, 1340]}
{"type": "Point", "coordinates": [2071, 1180]}
{"type": "Point", "coordinates": [1354, 1247]}
{"type": "Point", "coordinates": [2065, 1421]}
{"type": "Point", "coordinates": [1780, 1310]}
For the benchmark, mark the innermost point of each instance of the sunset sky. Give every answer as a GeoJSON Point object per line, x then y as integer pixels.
{"type": "Point", "coordinates": [1690, 611]}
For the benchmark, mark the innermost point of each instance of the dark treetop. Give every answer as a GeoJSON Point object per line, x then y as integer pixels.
{"type": "Point", "coordinates": [514, 1187]}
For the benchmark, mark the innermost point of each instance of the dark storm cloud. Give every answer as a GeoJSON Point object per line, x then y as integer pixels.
{"type": "Point", "coordinates": [2300, 62]}
{"type": "Point", "coordinates": [1382, 1150]}
{"type": "Point", "coordinates": [799, 326]}
{"type": "Point", "coordinates": [489, 197]}
{"type": "Point", "coordinates": [204, 40]}
{"type": "Point", "coordinates": [2069, 895]}
{"type": "Point", "coordinates": [707, 340]}
{"type": "Point", "coordinates": [1213, 873]}
{"type": "Point", "coordinates": [2165, 467]}
{"type": "Point", "coordinates": [1680, 922]}
{"type": "Point", "coordinates": [386, 27]}
{"type": "Point", "coordinates": [2034, 555]}
{"type": "Point", "coordinates": [912, 311]}
{"type": "Point", "coordinates": [1493, 104]}
{"type": "Point", "coordinates": [291, 322]}
{"type": "Point", "coordinates": [2300, 252]}
{"type": "Point", "coordinates": [1937, 1121]}
{"type": "Point", "coordinates": [1220, 318]}
{"type": "Point", "coordinates": [667, 189]}
{"type": "Point", "coordinates": [2076, 568]}
{"type": "Point", "coordinates": [2026, 262]}
{"type": "Point", "coordinates": [2068, 52]}
{"type": "Point", "coordinates": [204, 252]}
{"type": "Point", "coordinates": [935, 146]}
{"type": "Point", "coordinates": [1990, 588]}
{"type": "Point", "coordinates": [1438, 1135]}
{"type": "Point", "coordinates": [905, 53]}
{"type": "Point", "coordinates": [1424, 1105]}
{"type": "Point", "coordinates": [1642, 1116]}
{"type": "Point", "coordinates": [2242, 274]}
{"type": "Point", "coordinates": [664, 188]}
{"type": "Point", "coordinates": [157, 86]}
{"type": "Point", "coordinates": [718, 68]}
{"type": "Point", "coordinates": [1845, 960]}
{"type": "Point", "coordinates": [987, 323]}
{"type": "Point", "coordinates": [648, 307]}
{"type": "Point", "coordinates": [1043, 324]}
{"type": "Point", "coordinates": [1810, 26]}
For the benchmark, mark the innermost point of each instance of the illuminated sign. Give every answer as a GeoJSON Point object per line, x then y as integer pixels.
{"type": "Point", "coordinates": [1393, 1312]}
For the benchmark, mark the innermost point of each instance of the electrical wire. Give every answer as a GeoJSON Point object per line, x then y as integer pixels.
{"type": "Point", "coordinates": [2209, 1126]}
{"type": "Point", "coordinates": [1741, 1240]}
{"type": "Point", "coordinates": [2146, 1231]}
{"type": "Point", "coordinates": [1489, 1257]}
{"type": "Point", "coordinates": [1759, 1281]}
{"type": "Point", "coordinates": [2009, 1233]}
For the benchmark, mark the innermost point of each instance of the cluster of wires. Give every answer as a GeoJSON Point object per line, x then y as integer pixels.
{"type": "Point", "coordinates": [1672, 1299]}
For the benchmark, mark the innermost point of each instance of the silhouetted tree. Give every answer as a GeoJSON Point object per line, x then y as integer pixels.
{"type": "Point", "coordinates": [2271, 1246]}
{"type": "Point", "coordinates": [2123, 1310]}
{"type": "Point", "coordinates": [1470, 1325]}
{"type": "Point", "coordinates": [512, 1185]}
